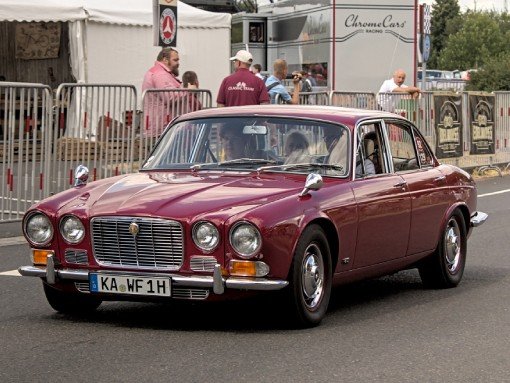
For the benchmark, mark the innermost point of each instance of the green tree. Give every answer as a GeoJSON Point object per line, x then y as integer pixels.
{"type": "Point", "coordinates": [479, 38]}
{"type": "Point", "coordinates": [495, 74]}
{"type": "Point", "coordinates": [445, 21]}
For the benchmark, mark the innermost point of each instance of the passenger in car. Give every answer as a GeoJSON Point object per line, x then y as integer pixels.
{"type": "Point", "coordinates": [296, 148]}
{"type": "Point", "coordinates": [336, 144]}
{"type": "Point", "coordinates": [234, 143]}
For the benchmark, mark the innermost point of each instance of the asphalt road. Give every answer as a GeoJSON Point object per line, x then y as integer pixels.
{"type": "Point", "coordinates": [385, 330]}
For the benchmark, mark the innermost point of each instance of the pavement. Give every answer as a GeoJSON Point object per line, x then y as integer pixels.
{"type": "Point", "coordinates": [10, 229]}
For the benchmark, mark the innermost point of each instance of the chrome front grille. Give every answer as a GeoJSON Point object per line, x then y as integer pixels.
{"type": "Point", "coordinates": [76, 256]}
{"type": "Point", "coordinates": [149, 243]}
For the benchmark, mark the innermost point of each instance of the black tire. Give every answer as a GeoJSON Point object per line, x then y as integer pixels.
{"type": "Point", "coordinates": [444, 269]}
{"type": "Point", "coordinates": [310, 277]}
{"type": "Point", "coordinates": [70, 303]}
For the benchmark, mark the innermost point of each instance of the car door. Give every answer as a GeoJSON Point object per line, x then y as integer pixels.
{"type": "Point", "coordinates": [383, 203]}
{"type": "Point", "coordinates": [413, 161]}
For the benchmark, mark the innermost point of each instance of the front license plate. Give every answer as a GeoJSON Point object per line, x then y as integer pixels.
{"type": "Point", "coordinates": [132, 285]}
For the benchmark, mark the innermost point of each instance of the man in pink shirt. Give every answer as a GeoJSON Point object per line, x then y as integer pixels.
{"type": "Point", "coordinates": [161, 107]}
{"type": "Point", "coordinates": [242, 87]}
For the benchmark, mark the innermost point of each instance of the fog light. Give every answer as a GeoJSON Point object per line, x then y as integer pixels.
{"type": "Point", "coordinates": [39, 257]}
{"type": "Point", "coordinates": [248, 268]}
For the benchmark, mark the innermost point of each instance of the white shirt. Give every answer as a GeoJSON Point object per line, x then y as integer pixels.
{"type": "Point", "coordinates": [385, 101]}
{"type": "Point", "coordinates": [259, 76]}
{"type": "Point", "coordinates": [389, 86]}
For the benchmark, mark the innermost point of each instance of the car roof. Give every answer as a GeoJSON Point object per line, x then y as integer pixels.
{"type": "Point", "coordinates": [335, 114]}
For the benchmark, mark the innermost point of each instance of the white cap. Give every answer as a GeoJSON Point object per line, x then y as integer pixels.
{"type": "Point", "coordinates": [243, 56]}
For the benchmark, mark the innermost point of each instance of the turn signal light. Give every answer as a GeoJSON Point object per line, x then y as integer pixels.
{"type": "Point", "coordinates": [39, 257]}
{"type": "Point", "coordinates": [248, 268]}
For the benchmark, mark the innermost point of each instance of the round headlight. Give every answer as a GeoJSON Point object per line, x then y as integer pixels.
{"type": "Point", "coordinates": [206, 236]}
{"type": "Point", "coordinates": [38, 229]}
{"type": "Point", "coordinates": [245, 239]}
{"type": "Point", "coordinates": [72, 229]}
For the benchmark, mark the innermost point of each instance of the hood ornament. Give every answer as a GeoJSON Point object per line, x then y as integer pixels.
{"type": "Point", "coordinates": [134, 229]}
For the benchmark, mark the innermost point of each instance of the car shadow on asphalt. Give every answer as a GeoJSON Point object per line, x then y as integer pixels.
{"type": "Point", "coordinates": [265, 313]}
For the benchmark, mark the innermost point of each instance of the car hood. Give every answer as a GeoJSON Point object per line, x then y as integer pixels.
{"type": "Point", "coordinates": [187, 195]}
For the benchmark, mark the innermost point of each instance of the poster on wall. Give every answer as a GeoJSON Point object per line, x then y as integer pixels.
{"type": "Point", "coordinates": [37, 41]}
{"type": "Point", "coordinates": [165, 23]}
{"type": "Point", "coordinates": [481, 123]}
{"type": "Point", "coordinates": [448, 123]}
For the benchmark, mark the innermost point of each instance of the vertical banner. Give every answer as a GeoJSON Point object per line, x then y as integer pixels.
{"type": "Point", "coordinates": [165, 22]}
{"type": "Point", "coordinates": [448, 122]}
{"type": "Point", "coordinates": [481, 123]}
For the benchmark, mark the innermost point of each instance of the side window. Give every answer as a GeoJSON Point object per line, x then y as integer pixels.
{"type": "Point", "coordinates": [402, 147]}
{"type": "Point", "coordinates": [369, 156]}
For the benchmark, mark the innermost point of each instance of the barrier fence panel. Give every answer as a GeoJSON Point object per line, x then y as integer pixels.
{"type": "Point", "coordinates": [160, 106]}
{"type": "Point", "coordinates": [25, 127]}
{"type": "Point", "coordinates": [313, 98]}
{"type": "Point", "coordinates": [361, 100]}
{"type": "Point", "coordinates": [96, 126]}
{"type": "Point", "coordinates": [502, 126]}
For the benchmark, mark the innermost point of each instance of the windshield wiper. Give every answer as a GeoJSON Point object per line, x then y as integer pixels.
{"type": "Point", "coordinates": [246, 161]}
{"type": "Point", "coordinates": [308, 165]}
{"type": "Point", "coordinates": [237, 161]}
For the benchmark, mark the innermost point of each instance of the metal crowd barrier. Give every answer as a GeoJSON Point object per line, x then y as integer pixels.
{"type": "Point", "coordinates": [25, 127]}
{"type": "Point", "coordinates": [95, 126]}
{"type": "Point", "coordinates": [308, 98]}
{"type": "Point", "coordinates": [361, 100]}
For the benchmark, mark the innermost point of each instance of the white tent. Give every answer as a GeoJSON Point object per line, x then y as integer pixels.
{"type": "Point", "coordinates": [112, 41]}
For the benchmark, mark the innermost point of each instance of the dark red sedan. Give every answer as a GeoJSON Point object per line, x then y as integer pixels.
{"type": "Point", "coordinates": [269, 197]}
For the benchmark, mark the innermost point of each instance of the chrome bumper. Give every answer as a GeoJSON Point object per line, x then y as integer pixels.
{"type": "Point", "coordinates": [478, 218]}
{"type": "Point", "coordinates": [216, 282]}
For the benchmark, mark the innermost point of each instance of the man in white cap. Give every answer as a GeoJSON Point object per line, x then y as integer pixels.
{"type": "Point", "coordinates": [242, 87]}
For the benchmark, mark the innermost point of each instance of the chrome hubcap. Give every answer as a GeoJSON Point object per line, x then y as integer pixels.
{"type": "Point", "coordinates": [452, 245]}
{"type": "Point", "coordinates": [312, 276]}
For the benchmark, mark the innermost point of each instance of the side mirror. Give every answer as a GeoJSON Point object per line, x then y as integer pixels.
{"type": "Point", "coordinates": [81, 176]}
{"type": "Point", "coordinates": [313, 182]}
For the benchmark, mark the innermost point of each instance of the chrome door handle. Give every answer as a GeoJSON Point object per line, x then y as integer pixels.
{"type": "Point", "coordinates": [400, 184]}
{"type": "Point", "coordinates": [440, 179]}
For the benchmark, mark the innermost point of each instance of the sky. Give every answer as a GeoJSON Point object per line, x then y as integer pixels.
{"type": "Point", "coordinates": [497, 5]}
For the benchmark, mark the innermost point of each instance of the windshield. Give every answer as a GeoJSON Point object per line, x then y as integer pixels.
{"type": "Point", "coordinates": [249, 143]}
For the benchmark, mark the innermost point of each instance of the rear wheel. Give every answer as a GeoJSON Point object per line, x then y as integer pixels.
{"type": "Point", "coordinates": [311, 277]}
{"type": "Point", "coordinates": [70, 303]}
{"type": "Point", "coordinates": [444, 269]}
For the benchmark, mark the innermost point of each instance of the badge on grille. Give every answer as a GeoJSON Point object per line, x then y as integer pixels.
{"type": "Point", "coordinates": [134, 229]}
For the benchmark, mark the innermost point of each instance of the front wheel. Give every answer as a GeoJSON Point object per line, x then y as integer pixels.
{"type": "Point", "coordinates": [311, 277]}
{"type": "Point", "coordinates": [444, 269]}
{"type": "Point", "coordinates": [70, 303]}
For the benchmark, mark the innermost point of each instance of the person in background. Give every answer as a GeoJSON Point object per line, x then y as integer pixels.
{"type": "Point", "coordinates": [159, 107]}
{"type": "Point", "coordinates": [256, 69]}
{"type": "Point", "coordinates": [306, 83]}
{"type": "Point", "coordinates": [190, 81]}
{"type": "Point", "coordinates": [395, 85]}
{"type": "Point", "coordinates": [275, 87]}
{"type": "Point", "coordinates": [242, 87]}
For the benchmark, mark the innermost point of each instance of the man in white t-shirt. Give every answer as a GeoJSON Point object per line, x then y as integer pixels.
{"type": "Point", "coordinates": [396, 85]}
